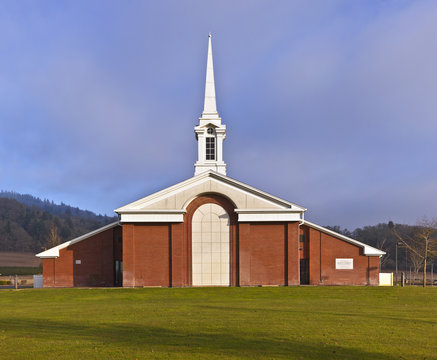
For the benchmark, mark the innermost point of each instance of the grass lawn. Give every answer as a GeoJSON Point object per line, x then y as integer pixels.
{"type": "Point", "coordinates": [219, 323]}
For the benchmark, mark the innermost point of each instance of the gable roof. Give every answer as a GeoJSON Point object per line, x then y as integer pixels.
{"type": "Point", "coordinates": [198, 179]}
{"type": "Point", "coordinates": [367, 249]}
{"type": "Point", "coordinates": [54, 251]}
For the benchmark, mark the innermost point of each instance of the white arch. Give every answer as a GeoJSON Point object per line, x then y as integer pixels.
{"type": "Point", "coordinates": [225, 197]}
{"type": "Point", "coordinates": [210, 246]}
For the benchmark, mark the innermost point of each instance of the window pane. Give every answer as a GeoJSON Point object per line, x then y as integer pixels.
{"type": "Point", "coordinates": [210, 148]}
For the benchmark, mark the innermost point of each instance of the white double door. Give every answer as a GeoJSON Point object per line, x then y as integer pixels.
{"type": "Point", "coordinates": [210, 246]}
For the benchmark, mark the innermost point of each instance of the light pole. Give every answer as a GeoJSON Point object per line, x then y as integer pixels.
{"type": "Point", "coordinates": [396, 263]}
{"type": "Point", "coordinates": [406, 266]}
{"type": "Point", "coordinates": [397, 244]}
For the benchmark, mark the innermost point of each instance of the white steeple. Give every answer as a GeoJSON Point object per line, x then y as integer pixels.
{"type": "Point", "coordinates": [210, 106]}
{"type": "Point", "coordinates": [210, 132]}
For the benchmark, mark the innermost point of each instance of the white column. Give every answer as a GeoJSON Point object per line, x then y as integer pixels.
{"type": "Point", "coordinates": [219, 147]}
{"type": "Point", "coordinates": [202, 145]}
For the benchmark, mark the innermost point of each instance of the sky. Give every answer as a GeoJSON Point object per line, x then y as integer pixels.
{"type": "Point", "coordinates": [328, 104]}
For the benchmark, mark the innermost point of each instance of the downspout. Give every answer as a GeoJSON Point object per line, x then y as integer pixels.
{"type": "Point", "coordinates": [302, 221]}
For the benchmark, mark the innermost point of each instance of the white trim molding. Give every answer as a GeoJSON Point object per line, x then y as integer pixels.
{"type": "Point", "coordinates": [129, 216]}
{"type": "Point", "coordinates": [257, 215]}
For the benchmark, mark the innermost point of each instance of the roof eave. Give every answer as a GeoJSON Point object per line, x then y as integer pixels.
{"type": "Point", "coordinates": [367, 249]}
{"type": "Point", "coordinates": [54, 251]}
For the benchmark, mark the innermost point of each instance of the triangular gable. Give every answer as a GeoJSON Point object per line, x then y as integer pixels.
{"type": "Point", "coordinates": [178, 196]}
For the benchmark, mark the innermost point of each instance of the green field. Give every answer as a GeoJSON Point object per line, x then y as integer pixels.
{"type": "Point", "coordinates": [20, 270]}
{"type": "Point", "coordinates": [219, 323]}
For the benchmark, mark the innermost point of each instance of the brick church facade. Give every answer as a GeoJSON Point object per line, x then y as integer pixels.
{"type": "Point", "coordinates": [210, 230]}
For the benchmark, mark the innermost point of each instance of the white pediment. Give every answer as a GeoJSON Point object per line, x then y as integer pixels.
{"type": "Point", "coordinates": [173, 201]}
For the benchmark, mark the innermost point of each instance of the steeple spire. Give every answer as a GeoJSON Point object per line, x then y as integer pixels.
{"type": "Point", "coordinates": [209, 107]}
{"type": "Point", "coordinates": [210, 133]}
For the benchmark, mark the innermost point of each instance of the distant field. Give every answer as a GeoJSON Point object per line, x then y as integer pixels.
{"type": "Point", "coordinates": [18, 259]}
{"type": "Point", "coordinates": [13, 270]}
{"type": "Point", "coordinates": [219, 323]}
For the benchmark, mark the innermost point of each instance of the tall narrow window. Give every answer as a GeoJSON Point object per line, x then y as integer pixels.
{"type": "Point", "coordinates": [210, 148]}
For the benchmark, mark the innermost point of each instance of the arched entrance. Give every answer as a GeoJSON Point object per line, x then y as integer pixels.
{"type": "Point", "coordinates": [210, 236]}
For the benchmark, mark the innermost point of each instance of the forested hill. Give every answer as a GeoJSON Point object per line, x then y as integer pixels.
{"type": "Point", "coordinates": [49, 206]}
{"type": "Point", "coordinates": [26, 227]}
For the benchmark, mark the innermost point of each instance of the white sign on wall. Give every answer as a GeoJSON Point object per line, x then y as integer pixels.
{"type": "Point", "coordinates": [344, 264]}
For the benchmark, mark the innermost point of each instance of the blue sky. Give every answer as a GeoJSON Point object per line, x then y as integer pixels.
{"type": "Point", "coordinates": [328, 104]}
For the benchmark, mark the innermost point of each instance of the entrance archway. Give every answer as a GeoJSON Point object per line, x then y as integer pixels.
{"type": "Point", "coordinates": [210, 236]}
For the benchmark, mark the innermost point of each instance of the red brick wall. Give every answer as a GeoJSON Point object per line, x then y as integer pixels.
{"type": "Point", "coordinates": [314, 255]}
{"type": "Point", "coordinates": [268, 254]}
{"type": "Point", "coordinates": [152, 254]}
{"type": "Point", "coordinates": [324, 249]}
{"type": "Point", "coordinates": [146, 254]}
{"type": "Point", "coordinates": [97, 263]}
{"type": "Point", "coordinates": [373, 267]}
{"type": "Point", "coordinates": [244, 252]}
{"type": "Point", "coordinates": [179, 266]}
{"type": "Point", "coordinates": [293, 253]}
{"type": "Point", "coordinates": [128, 255]}
{"type": "Point", "coordinates": [97, 260]}
{"type": "Point", "coordinates": [48, 272]}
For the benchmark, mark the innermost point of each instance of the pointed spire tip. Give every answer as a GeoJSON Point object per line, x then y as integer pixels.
{"type": "Point", "coordinates": [210, 106]}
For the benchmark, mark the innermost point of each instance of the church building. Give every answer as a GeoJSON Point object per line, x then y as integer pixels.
{"type": "Point", "coordinates": [210, 230]}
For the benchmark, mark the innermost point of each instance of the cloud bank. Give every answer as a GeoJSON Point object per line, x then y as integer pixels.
{"type": "Point", "coordinates": [328, 104]}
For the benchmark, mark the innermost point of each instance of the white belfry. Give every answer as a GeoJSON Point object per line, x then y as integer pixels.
{"type": "Point", "coordinates": [210, 132]}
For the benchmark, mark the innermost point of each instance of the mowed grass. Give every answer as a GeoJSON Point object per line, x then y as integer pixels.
{"type": "Point", "coordinates": [219, 323]}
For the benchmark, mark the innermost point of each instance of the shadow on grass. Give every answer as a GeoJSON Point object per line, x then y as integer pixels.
{"type": "Point", "coordinates": [353, 314]}
{"type": "Point", "coordinates": [195, 344]}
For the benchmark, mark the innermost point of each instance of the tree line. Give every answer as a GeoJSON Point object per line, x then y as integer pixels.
{"type": "Point", "coordinates": [407, 247]}
{"type": "Point", "coordinates": [31, 228]}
